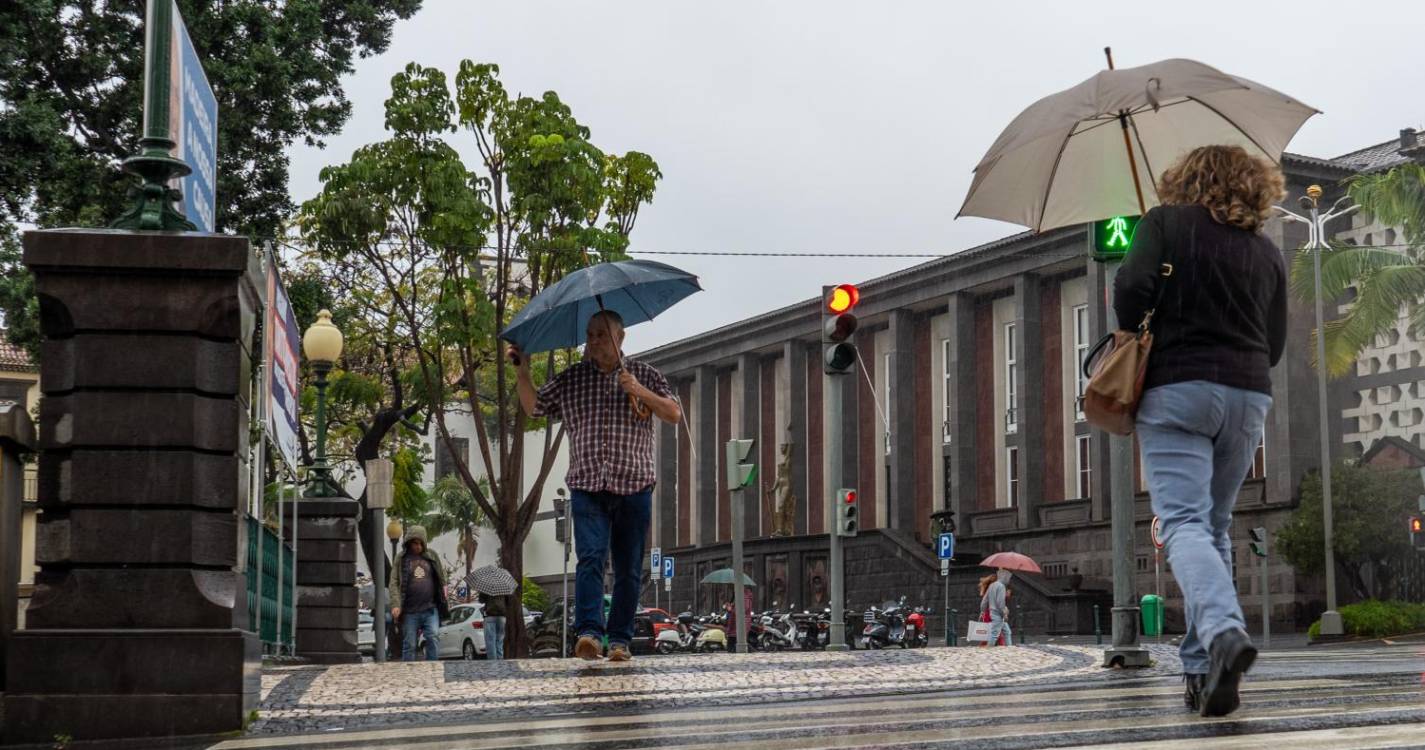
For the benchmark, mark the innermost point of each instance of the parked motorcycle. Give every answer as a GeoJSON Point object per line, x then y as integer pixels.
{"type": "Point", "coordinates": [690, 635]}
{"type": "Point", "coordinates": [915, 633]}
{"type": "Point", "coordinates": [885, 626]}
{"type": "Point", "coordinates": [781, 632]}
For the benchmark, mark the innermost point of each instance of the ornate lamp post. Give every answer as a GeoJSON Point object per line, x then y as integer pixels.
{"type": "Point", "coordinates": [322, 346]}
{"type": "Point", "coordinates": [393, 532]}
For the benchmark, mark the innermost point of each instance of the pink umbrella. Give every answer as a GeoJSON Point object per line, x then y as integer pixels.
{"type": "Point", "coordinates": [1011, 561]}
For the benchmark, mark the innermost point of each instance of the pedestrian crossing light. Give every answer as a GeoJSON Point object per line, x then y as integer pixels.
{"type": "Point", "coordinates": [848, 520]}
{"type": "Point", "coordinates": [1113, 237]}
{"type": "Point", "coordinates": [740, 473]}
{"type": "Point", "coordinates": [1417, 533]}
{"type": "Point", "coordinates": [837, 325]}
{"type": "Point", "coordinates": [1259, 541]}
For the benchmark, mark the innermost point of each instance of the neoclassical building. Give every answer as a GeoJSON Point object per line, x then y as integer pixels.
{"type": "Point", "coordinates": [968, 402]}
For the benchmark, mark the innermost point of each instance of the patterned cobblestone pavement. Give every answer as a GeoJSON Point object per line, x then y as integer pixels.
{"type": "Point", "coordinates": [369, 696]}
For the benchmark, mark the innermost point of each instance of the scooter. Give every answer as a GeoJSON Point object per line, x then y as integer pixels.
{"type": "Point", "coordinates": [885, 627]}
{"type": "Point", "coordinates": [915, 633]}
{"type": "Point", "coordinates": [780, 632]}
{"type": "Point", "coordinates": [690, 636]}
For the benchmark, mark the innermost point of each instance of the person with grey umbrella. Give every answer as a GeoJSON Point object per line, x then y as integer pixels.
{"type": "Point", "coordinates": [1212, 290]}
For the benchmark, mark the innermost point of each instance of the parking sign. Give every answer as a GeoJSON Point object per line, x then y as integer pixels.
{"type": "Point", "coordinates": [668, 568]}
{"type": "Point", "coordinates": [945, 548]}
{"type": "Point", "coordinates": [655, 561]}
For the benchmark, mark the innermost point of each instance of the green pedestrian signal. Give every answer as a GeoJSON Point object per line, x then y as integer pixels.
{"type": "Point", "coordinates": [1112, 238]}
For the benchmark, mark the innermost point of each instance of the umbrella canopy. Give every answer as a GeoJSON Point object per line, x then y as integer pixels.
{"type": "Point", "coordinates": [492, 580]}
{"type": "Point", "coordinates": [1094, 151]}
{"type": "Point", "coordinates": [1011, 561]}
{"type": "Point", "coordinates": [724, 575]}
{"type": "Point", "coordinates": [638, 290]}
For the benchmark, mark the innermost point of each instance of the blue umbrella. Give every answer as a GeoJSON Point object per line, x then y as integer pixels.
{"type": "Point", "coordinates": [638, 290]}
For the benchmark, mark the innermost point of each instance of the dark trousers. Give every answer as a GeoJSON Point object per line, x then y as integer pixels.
{"type": "Point", "coordinates": [606, 523]}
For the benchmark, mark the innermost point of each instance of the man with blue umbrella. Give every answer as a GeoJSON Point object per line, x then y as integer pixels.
{"type": "Point", "coordinates": [605, 403]}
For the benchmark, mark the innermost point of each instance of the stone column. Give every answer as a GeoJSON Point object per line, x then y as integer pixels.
{"type": "Point", "coordinates": [962, 407]}
{"type": "Point", "coordinates": [1030, 356]}
{"type": "Point", "coordinates": [900, 506]}
{"type": "Point", "coordinates": [751, 421]}
{"type": "Point", "coordinates": [795, 353]}
{"type": "Point", "coordinates": [326, 577]}
{"type": "Point", "coordinates": [666, 535]}
{"type": "Point", "coordinates": [705, 493]}
{"type": "Point", "coordinates": [138, 625]}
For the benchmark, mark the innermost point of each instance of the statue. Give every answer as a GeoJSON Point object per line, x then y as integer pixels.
{"type": "Point", "coordinates": [780, 496]}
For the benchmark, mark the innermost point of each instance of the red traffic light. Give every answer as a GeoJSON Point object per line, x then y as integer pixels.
{"type": "Point", "coordinates": [1415, 525]}
{"type": "Point", "coordinates": [850, 496]}
{"type": "Point", "coordinates": [842, 298]}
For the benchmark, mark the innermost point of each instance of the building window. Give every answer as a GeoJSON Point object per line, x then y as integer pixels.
{"type": "Point", "coordinates": [1081, 350]}
{"type": "Point", "coordinates": [1011, 463]}
{"type": "Point", "coordinates": [886, 396]}
{"type": "Point", "coordinates": [1011, 373]}
{"type": "Point", "coordinates": [444, 462]}
{"type": "Point", "coordinates": [945, 391]}
{"type": "Point", "coordinates": [1259, 459]}
{"type": "Point", "coordinates": [1082, 445]}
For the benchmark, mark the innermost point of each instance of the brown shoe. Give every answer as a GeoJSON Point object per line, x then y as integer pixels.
{"type": "Point", "coordinates": [588, 648]}
{"type": "Point", "coordinates": [619, 652]}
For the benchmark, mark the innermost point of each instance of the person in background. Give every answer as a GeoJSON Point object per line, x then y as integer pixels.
{"type": "Point", "coordinates": [1217, 289]}
{"type": "Point", "coordinates": [417, 592]}
{"type": "Point", "coordinates": [494, 609]}
{"type": "Point", "coordinates": [993, 603]}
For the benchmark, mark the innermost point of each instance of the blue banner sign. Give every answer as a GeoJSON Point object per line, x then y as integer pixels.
{"type": "Point", "coordinates": [193, 124]}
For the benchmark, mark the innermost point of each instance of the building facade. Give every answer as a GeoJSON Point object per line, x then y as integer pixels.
{"type": "Point", "coordinates": [967, 401]}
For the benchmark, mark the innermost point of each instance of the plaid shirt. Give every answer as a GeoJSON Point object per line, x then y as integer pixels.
{"type": "Point", "coordinates": [610, 449]}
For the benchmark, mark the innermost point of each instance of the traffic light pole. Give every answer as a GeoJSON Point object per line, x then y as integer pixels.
{"type": "Point", "coordinates": [834, 387]}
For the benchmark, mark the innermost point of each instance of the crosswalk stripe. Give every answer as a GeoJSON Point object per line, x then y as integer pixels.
{"type": "Point", "coordinates": [1358, 738]}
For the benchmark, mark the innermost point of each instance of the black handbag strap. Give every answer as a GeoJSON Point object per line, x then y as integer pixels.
{"type": "Point", "coordinates": [1165, 270]}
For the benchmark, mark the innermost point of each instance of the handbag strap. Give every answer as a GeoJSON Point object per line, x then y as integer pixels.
{"type": "Point", "coordinates": [1165, 269]}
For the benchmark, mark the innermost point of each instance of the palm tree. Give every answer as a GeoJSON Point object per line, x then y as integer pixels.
{"type": "Point", "coordinates": [1387, 279]}
{"type": "Point", "coordinates": [455, 510]}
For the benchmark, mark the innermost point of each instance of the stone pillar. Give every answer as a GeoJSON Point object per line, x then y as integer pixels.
{"type": "Point", "coordinates": [325, 547]}
{"type": "Point", "coordinates": [900, 506]}
{"type": "Point", "coordinates": [750, 422]}
{"type": "Point", "coordinates": [1030, 356]}
{"type": "Point", "coordinates": [666, 535]}
{"type": "Point", "coordinates": [138, 624]}
{"type": "Point", "coordinates": [963, 465]}
{"type": "Point", "coordinates": [17, 437]}
{"type": "Point", "coordinates": [705, 493]}
{"type": "Point", "coordinates": [795, 353]}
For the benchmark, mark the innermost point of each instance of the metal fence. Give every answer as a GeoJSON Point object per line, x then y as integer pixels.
{"type": "Point", "coordinates": [275, 570]}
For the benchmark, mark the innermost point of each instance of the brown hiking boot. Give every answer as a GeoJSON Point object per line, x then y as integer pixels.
{"type": "Point", "coordinates": [588, 648]}
{"type": "Point", "coordinates": [619, 652]}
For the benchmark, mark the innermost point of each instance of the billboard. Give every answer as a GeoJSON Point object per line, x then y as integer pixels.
{"type": "Point", "coordinates": [193, 125]}
{"type": "Point", "coordinates": [281, 344]}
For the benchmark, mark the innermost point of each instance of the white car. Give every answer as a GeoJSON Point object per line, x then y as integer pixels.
{"type": "Point", "coordinates": [462, 635]}
{"type": "Point", "coordinates": [365, 632]}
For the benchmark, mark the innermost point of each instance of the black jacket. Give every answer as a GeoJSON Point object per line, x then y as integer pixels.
{"type": "Point", "coordinates": [401, 580]}
{"type": "Point", "coordinates": [1223, 314]}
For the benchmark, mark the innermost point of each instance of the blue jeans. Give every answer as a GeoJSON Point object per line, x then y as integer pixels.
{"type": "Point", "coordinates": [494, 638]}
{"type": "Point", "coordinates": [429, 621]}
{"type": "Point", "coordinates": [1198, 439]}
{"type": "Point", "coordinates": [604, 523]}
{"type": "Point", "coordinates": [1000, 625]}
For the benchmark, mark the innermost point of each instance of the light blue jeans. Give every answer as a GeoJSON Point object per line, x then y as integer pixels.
{"type": "Point", "coordinates": [494, 638]}
{"type": "Point", "coordinates": [1000, 625]}
{"type": "Point", "coordinates": [1197, 440]}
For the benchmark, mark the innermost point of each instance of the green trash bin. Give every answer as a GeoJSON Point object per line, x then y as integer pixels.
{"type": "Point", "coordinates": [1152, 607]}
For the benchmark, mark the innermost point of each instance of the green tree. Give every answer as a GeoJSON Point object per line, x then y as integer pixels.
{"type": "Point", "coordinates": [71, 85]}
{"type": "Point", "coordinates": [1388, 280]}
{"type": "Point", "coordinates": [1369, 509]}
{"type": "Point", "coordinates": [458, 250]}
{"type": "Point", "coordinates": [535, 598]}
{"type": "Point", "coordinates": [453, 509]}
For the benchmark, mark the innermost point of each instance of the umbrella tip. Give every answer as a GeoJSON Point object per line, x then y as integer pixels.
{"type": "Point", "coordinates": [1108, 53]}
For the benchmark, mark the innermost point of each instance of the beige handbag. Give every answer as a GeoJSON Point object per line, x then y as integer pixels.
{"type": "Point", "coordinates": [1115, 367]}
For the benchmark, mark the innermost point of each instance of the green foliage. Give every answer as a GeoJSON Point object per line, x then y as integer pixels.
{"type": "Point", "coordinates": [409, 500]}
{"type": "Point", "coordinates": [454, 510]}
{"type": "Point", "coordinates": [534, 597]}
{"type": "Point", "coordinates": [1375, 619]}
{"type": "Point", "coordinates": [1369, 511]}
{"type": "Point", "coordinates": [71, 85]}
{"type": "Point", "coordinates": [1388, 280]}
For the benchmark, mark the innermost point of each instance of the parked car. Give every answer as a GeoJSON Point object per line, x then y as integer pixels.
{"type": "Point", "coordinates": [365, 634]}
{"type": "Point", "coordinates": [545, 633]}
{"type": "Point", "coordinates": [462, 635]}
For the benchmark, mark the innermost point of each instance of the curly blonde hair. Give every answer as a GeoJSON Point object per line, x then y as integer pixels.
{"type": "Point", "coordinates": [1238, 188]}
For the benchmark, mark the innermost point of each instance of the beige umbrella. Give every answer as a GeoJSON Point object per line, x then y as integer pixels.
{"type": "Point", "coordinates": [1092, 152]}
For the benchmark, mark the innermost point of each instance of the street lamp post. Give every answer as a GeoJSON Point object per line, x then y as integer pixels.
{"type": "Point", "coordinates": [322, 346]}
{"type": "Point", "coordinates": [1316, 243]}
{"type": "Point", "coordinates": [393, 532]}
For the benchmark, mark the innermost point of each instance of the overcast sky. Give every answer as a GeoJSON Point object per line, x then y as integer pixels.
{"type": "Point", "coordinates": [853, 127]}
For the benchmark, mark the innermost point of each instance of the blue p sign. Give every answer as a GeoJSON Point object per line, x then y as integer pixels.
{"type": "Point", "coordinates": [945, 548]}
{"type": "Point", "coordinates": [668, 568]}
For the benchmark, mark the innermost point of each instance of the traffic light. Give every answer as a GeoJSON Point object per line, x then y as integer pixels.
{"type": "Point", "coordinates": [561, 519]}
{"type": "Point", "coordinates": [1259, 541]}
{"type": "Point", "coordinates": [1417, 533]}
{"type": "Point", "coordinates": [739, 473]}
{"type": "Point", "coordinates": [837, 325]}
{"type": "Point", "coordinates": [1113, 237]}
{"type": "Point", "coordinates": [847, 519]}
